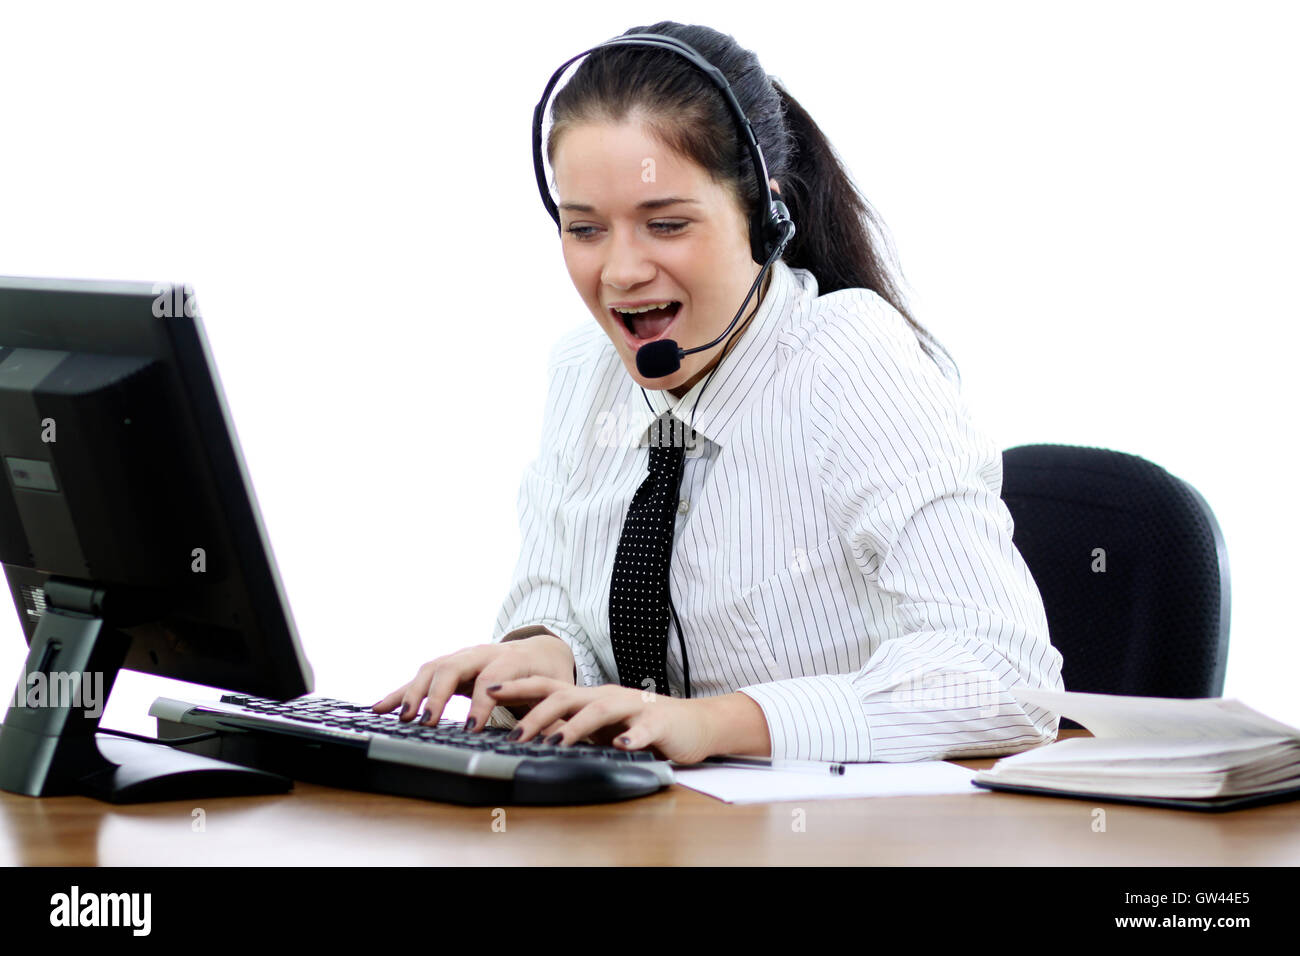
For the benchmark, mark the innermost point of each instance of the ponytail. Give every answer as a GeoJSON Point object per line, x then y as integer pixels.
{"type": "Point", "coordinates": [834, 238]}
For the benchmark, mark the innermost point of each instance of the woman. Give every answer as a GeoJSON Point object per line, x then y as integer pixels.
{"type": "Point", "coordinates": [824, 516]}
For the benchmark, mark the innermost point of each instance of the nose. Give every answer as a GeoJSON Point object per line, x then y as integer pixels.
{"type": "Point", "coordinates": [626, 264]}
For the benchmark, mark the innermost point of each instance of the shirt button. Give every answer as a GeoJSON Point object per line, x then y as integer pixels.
{"type": "Point", "coordinates": [683, 506]}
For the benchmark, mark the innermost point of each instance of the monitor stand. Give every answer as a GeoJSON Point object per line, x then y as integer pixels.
{"type": "Point", "coordinates": [50, 746]}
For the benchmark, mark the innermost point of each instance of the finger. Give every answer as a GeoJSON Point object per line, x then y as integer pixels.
{"type": "Point", "coordinates": [525, 690]}
{"type": "Point", "coordinates": [546, 719]}
{"type": "Point", "coordinates": [550, 730]}
{"type": "Point", "coordinates": [554, 701]}
{"type": "Point", "coordinates": [442, 686]}
{"type": "Point", "coordinates": [645, 731]}
{"type": "Point", "coordinates": [438, 680]}
{"type": "Point", "coordinates": [636, 737]}
{"type": "Point", "coordinates": [554, 733]}
{"type": "Point", "coordinates": [387, 703]}
{"type": "Point", "coordinates": [600, 713]}
{"type": "Point", "coordinates": [482, 703]}
{"type": "Point", "coordinates": [398, 696]}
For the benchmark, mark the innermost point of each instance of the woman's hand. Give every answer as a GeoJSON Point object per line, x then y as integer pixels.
{"type": "Point", "coordinates": [469, 671]}
{"type": "Point", "coordinates": [632, 719]}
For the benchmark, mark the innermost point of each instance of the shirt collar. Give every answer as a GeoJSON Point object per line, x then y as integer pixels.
{"type": "Point", "coordinates": [735, 379]}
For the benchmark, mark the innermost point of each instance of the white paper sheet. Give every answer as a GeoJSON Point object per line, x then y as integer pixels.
{"type": "Point", "coordinates": [921, 778]}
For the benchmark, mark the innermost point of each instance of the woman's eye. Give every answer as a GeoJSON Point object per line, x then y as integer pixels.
{"type": "Point", "coordinates": [662, 228]}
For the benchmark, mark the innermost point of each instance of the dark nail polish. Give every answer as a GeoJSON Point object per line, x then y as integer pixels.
{"type": "Point", "coordinates": [424, 716]}
{"type": "Point", "coordinates": [495, 687]}
{"type": "Point", "coordinates": [515, 734]}
{"type": "Point", "coordinates": [403, 712]}
{"type": "Point", "coordinates": [554, 739]}
{"type": "Point", "coordinates": [469, 724]}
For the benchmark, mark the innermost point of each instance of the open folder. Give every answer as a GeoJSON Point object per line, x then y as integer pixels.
{"type": "Point", "coordinates": [1199, 754]}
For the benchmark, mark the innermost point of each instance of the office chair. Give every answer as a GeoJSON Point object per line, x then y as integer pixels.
{"type": "Point", "coordinates": [1132, 568]}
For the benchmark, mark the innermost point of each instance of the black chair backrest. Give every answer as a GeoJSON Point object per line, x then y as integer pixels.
{"type": "Point", "coordinates": [1132, 568]}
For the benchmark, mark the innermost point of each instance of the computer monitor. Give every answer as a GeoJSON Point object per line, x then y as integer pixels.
{"type": "Point", "coordinates": [130, 537]}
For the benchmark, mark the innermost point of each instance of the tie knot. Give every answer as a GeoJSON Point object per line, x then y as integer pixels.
{"type": "Point", "coordinates": [668, 432]}
{"type": "Point", "coordinates": [667, 445]}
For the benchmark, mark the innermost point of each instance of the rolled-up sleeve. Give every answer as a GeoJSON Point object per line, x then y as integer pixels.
{"type": "Point", "coordinates": [914, 489]}
{"type": "Point", "coordinates": [538, 598]}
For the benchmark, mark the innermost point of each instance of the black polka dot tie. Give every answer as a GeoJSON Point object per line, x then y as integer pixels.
{"type": "Point", "coordinates": [638, 596]}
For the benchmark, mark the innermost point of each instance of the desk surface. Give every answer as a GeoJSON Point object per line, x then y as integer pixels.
{"type": "Point", "coordinates": [314, 825]}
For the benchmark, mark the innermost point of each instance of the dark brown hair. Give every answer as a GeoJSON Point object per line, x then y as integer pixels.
{"type": "Point", "coordinates": [682, 109]}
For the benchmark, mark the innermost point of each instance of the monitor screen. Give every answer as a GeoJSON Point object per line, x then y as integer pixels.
{"type": "Point", "coordinates": [123, 473]}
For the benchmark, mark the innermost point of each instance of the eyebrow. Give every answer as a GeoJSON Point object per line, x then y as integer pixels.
{"type": "Point", "coordinates": [648, 204]}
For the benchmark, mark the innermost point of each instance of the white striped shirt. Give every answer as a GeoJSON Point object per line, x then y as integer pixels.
{"type": "Point", "coordinates": [842, 554]}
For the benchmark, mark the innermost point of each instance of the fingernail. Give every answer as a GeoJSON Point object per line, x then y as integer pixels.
{"type": "Point", "coordinates": [515, 734]}
{"type": "Point", "coordinates": [495, 687]}
{"type": "Point", "coordinates": [403, 711]}
{"type": "Point", "coordinates": [625, 741]}
{"type": "Point", "coordinates": [424, 716]}
{"type": "Point", "coordinates": [554, 739]}
{"type": "Point", "coordinates": [469, 724]}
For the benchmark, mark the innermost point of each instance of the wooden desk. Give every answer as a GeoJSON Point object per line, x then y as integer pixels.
{"type": "Point", "coordinates": [315, 825]}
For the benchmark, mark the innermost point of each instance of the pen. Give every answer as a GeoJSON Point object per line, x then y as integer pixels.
{"type": "Point", "coordinates": [765, 763]}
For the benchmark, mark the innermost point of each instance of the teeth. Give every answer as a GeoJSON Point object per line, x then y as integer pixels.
{"type": "Point", "coordinates": [643, 308]}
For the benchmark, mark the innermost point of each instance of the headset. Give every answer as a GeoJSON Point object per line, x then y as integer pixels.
{"type": "Point", "coordinates": [770, 228]}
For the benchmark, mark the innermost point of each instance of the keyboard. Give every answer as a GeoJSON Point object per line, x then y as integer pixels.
{"type": "Point", "coordinates": [343, 744]}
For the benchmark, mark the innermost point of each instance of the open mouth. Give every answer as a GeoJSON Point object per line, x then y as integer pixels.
{"type": "Point", "coordinates": [645, 326]}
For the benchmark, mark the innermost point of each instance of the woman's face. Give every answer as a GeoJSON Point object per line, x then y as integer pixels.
{"type": "Point", "coordinates": [620, 252]}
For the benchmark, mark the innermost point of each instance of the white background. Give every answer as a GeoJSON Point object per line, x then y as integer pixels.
{"type": "Point", "coordinates": [1095, 207]}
